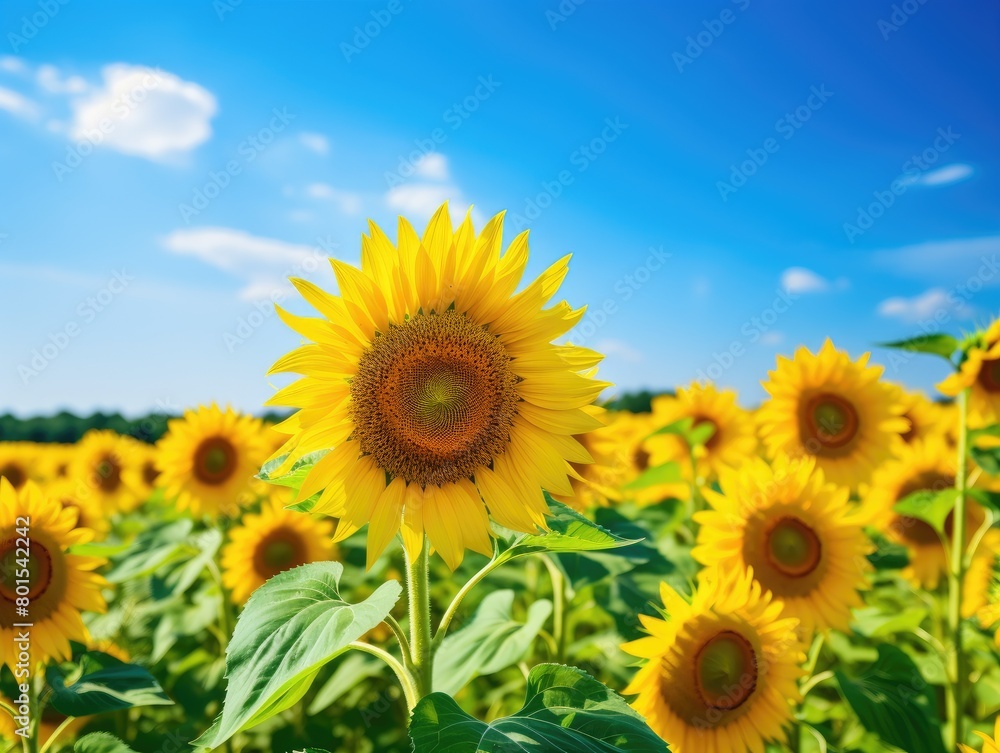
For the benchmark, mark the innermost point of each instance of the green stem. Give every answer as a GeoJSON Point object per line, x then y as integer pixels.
{"type": "Point", "coordinates": [55, 734]}
{"type": "Point", "coordinates": [406, 680]}
{"type": "Point", "coordinates": [9, 709]}
{"type": "Point", "coordinates": [397, 630]}
{"type": "Point", "coordinates": [449, 614]}
{"type": "Point", "coordinates": [418, 591]}
{"type": "Point", "coordinates": [956, 578]}
{"type": "Point", "coordinates": [225, 619]}
{"type": "Point", "coordinates": [558, 607]}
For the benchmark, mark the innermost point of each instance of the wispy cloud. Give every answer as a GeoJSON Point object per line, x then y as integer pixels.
{"type": "Point", "coordinates": [950, 258]}
{"type": "Point", "coordinates": [433, 165]}
{"type": "Point", "coordinates": [317, 142]}
{"type": "Point", "coordinates": [801, 280]}
{"type": "Point", "coordinates": [946, 175]}
{"type": "Point", "coordinates": [17, 104]}
{"type": "Point", "coordinates": [924, 307]}
{"type": "Point", "coordinates": [52, 80]}
{"type": "Point", "coordinates": [347, 202]}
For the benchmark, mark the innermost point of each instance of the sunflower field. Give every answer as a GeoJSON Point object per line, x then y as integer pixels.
{"type": "Point", "coordinates": [452, 544]}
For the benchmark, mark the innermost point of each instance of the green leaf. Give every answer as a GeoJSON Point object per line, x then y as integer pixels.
{"type": "Point", "coordinates": [873, 622]}
{"type": "Point", "coordinates": [569, 531]}
{"type": "Point", "coordinates": [354, 668]}
{"type": "Point", "coordinates": [290, 628]}
{"type": "Point", "coordinates": [935, 344]}
{"type": "Point", "coordinates": [491, 641]}
{"type": "Point", "coordinates": [151, 550]}
{"type": "Point", "coordinates": [295, 475]}
{"type": "Point", "coordinates": [102, 683]}
{"type": "Point", "coordinates": [100, 742]}
{"type": "Point", "coordinates": [894, 701]}
{"type": "Point", "coordinates": [989, 500]}
{"type": "Point", "coordinates": [694, 434]}
{"type": "Point", "coordinates": [987, 458]}
{"type": "Point", "coordinates": [565, 709]}
{"type": "Point", "coordinates": [932, 507]}
{"type": "Point", "coordinates": [668, 473]}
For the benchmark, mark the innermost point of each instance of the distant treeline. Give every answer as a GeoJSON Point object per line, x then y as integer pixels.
{"type": "Point", "coordinates": [67, 427]}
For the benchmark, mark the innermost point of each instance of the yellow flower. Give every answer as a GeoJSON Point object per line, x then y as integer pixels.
{"type": "Point", "coordinates": [439, 389]}
{"type": "Point", "coordinates": [800, 535]}
{"type": "Point", "coordinates": [990, 745]}
{"type": "Point", "coordinates": [733, 441]}
{"type": "Point", "coordinates": [18, 463]}
{"type": "Point", "coordinates": [598, 484]}
{"type": "Point", "coordinates": [80, 498]}
{"type": "Point", "coordinates": [925, 418]}
{"type": "Point", "coordinates": [208, 459]}
{"type": "Point", "coordinates": [834, 409]}
{"type": "Point", "coordinates": [270, 542]}
{"type": "Point", "coordinates": [59, 586]}
{"type": "Point", "coordinates": [926, 465]}
{"type": "Point", "coordinates": [982, 586]}
{"type": "Point", "coordinates": [142, 474]}
{"type": "Point", "coordinates": [980, 372]}
{"type": "Point", "coordinates": [101, 464]}
{"type": "Point", "coordinates": [722, 672]}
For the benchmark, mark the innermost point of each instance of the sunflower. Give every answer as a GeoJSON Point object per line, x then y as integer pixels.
{"type": "Point", "coordinates": [925, 465]}
{"type": "Point", "coordinates": [723, 671]}
{"type": "Point", "coordinates": [101, 464]}
{"type": "Point", "coordinates": [270, 542]}
{"type": "Point", "coordinates": [925, 418]}
{"type": "Point", "coordinates": [142, 474]}
{"type": "Point", "coordinates": [733, 439]}
{"type": "Point", "coordinates": [834, 409]}
{"type": "Point", "coordinates": [980, 373]}
{"type": "Point", "coordinates": [799, 534]}
{"type": "Point", "coordinates": [599, 483]}
{"type": "Point", "coordinates": [77, 496]}
{"type": "Point", "coordinates": [439, 389]}
{"type": "Point", "coordinates": [18, 463]}
{"type": "Point", "coordinates": [990, 745]}
{"type": "Point", "coordinates": [60, 585]}
{"type": "Point", "coordinates": [208, 458]}
{"type": "Point", "coordinates": [631, 433]}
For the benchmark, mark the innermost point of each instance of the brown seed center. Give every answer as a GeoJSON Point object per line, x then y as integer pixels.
{"type": "Point", "coordinates": [726, 673]}
{"type": "Point", "coordinates": [828, 423]}
{"type": "Point", "coordinates": [214, 461]}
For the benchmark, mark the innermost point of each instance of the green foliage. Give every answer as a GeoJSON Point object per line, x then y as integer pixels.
{"type": "Point", "coordinates": [569, 531]}
{"type": "Point", "coordinates": [668, 473]}
{"type": "Point", "coordinates": [938, 344]}
{"type": "Point", "coordinates": [932, 507]}
{"type": "Point", "coordinates": [565, 709]}
{"type": "Point", "coordinates": [101, 683]}
{"type": "Point", "coordinates": [100, 742]}
{"type": "Point", "coordinates": [634, 402]}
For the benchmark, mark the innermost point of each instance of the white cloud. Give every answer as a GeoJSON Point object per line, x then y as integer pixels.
{"type": "Point", "coordinates": [152, 113]}
{"type": "Point", "coordinates": [772, 337]}
{"type": "Point", "coordinates": [346, 202]}
{"type": "Point", "coordinates": [12, 64]}
{"type": "Point", "coordinates": [923, 307]}
{"type": "Point", "coordinates": [802, 280]}
{"type": "Point", "coordinates": [17, 104]}
{"type": "Point", "coordinates": [52, 81]}
{"type": "Point", "coordinates": [946, 175]}
{"type": "Point", "coordinates": [315, 141]}
{"type": "Point", "coordinates": [961, 256]}
{"type": "Point", "coordinates": [264, 264]}
{"type": "Point", "coordinates": [621, 349]}
{"type": "Point", "coordinates": [433, 166]}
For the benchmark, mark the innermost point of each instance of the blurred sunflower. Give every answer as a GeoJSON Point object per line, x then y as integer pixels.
{"type": "Point", "coordinates": [598, 484]}
{"type": "Point", "coordinates": [925, 465]}
{"type": "Point", "coordinates": [439, 388]}
{"type": "Point", "coordinates": [800, 535]}
{"type": "Point", "coordinates": [733, 439]}
{"type": "Point", "coordinates": [270, 542]}
{"type": "Point", "coordinates": [143, 475]}
{"type": "Point", "coordinates": [18, 463]}
{"type": "Point", "coordinates": [925, 418]}
{"type": "Point", "coordinates": [101, 463]}
{"type": "Point", "coordinates": [980, 373]}
{"type": "Point", "coordinates": [990, 745]}
{"type": "Point", "coordinates": [722, 672]}
{"type": "Point", "coordinates": [208, 459]}
{"type": "Point", "coordinates": [61, 585]}
{"type": "Point", "coordinates": [56, 460]}
{"type": "Point", "coordinates": [77, 496]}
{"type": "Point", "coordinates": [834, 409]}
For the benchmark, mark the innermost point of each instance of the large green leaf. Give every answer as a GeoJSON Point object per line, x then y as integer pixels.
{"type": "Point", "coordinates": [935, 344]}
{"type": "Point", "coordinates": [291, 626]}
{"type": "Point", "coordinates": [894, 701]}
{"type": "Point", "coordinates": [491, 641]}
{"type": "Point", "coordinates": [668, 473]}
{"type": "Point", "coordinates": [932, 507]}
{"type": "Point", "coordinates": [565, 709]}
{"type": "Point", "coordinates": [100, 742]}
{"type": "Point", "coordinates": [569, 531]}
{"type": "Point", "coordinates": [102, 683]}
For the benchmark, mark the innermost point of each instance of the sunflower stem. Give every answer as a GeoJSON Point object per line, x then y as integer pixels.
{"type": "Point", "coordinates": [418, 592]}
{"type": "Point", "coordinates": [406, 680]}
{"type": "Point", "coordinates": [956, 577]}
{"type": "Point", "coordinates": [452, 610]}
{"type": "Point", "coordinates": [558, 608]}
{"type": "Point", "coordinates": [58, 731]}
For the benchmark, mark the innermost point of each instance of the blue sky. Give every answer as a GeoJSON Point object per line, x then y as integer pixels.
{"type": "Point", "coordinates": [733, 179]}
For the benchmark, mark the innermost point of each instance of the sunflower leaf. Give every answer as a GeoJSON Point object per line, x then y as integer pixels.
{"type": "Point", "coordinates": [694, 434]}
{"type": "Point", "coordinates": [291, 627]}
{"type": "Point", "coordinates": [932, 507]}
{"type": "Point", "coordinates": [491, 641]}
{"type": "Point", "coordinates": [100, 742]}
{"type": "Point", "coordinates": [938, 344]}
{"type": "Point", "coordinates": [668, 473]}
{"type": "Point", "coordinates": [565, 709]}
{"type": "Point", "coordinates": [894, 701]}
{"type": "Point", "coordinates": [987, 458]}
{"type": "Point", "coordinates": [102, 683]}
{"type": "Point", "coordinates": [569, 531]}
{"type": "Point", "coordinates": [296, 474]}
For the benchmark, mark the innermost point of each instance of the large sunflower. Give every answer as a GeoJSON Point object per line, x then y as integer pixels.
{"type": "Point", "coordinates": [800, 535]}
{"type": "Point", "coordinates": [208, 459]}
{"type": "Point", "coordinates": [101, 466]}
{"type": "Point", "coordinates": [733, 440]}
{"type": "Point", "coordinates": [60, 585]}
{"type": "Point", "coordinates": [834, 409]}
{"type": "Point", "coordinates": [980, 373]}
{"type": "Point", "coordinates": [990, 744]}
{"type": "Point", "coordinates": [438, 388]}
{"type": "Point", "coordinates": [723, 671]}
{"type": "Point", "coordinates": [926, 465]}
{"type": "Point", "coordinates": [270, 542]}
